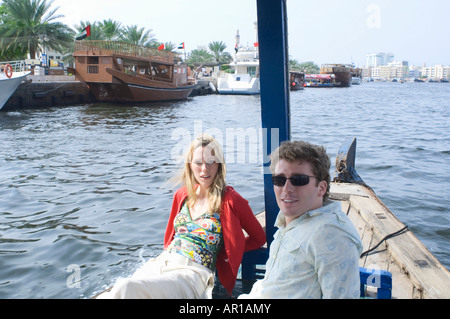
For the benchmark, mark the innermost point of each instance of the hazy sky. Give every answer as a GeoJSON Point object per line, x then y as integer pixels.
{"type": "Point", "coordinates": [325, 31]}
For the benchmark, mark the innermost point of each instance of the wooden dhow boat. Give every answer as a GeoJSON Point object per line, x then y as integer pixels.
{"type": "Point", "coordinates": [122, 72]}
{"type": "Point", "coordinates": [342, 72]}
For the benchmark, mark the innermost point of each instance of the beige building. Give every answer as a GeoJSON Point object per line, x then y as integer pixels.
{"type": "Point", "coordinates": [436, 72]}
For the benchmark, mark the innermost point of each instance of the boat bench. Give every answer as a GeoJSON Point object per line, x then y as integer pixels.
{"type": "Point", "coordinates": [253, 268]}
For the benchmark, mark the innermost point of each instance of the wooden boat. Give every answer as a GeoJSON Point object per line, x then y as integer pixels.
{"type": "Point", "coordinates": [394, 264]}
{"type": "Point", "coordinates": [342, 73]}
{"type": "Point", "coordinates": [297, 80]}
{"type": "Point", "coordinates": [121, 72]}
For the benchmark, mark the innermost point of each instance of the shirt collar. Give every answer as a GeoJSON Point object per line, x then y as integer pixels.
{"type": "Point", "coordinates": [328, 206]}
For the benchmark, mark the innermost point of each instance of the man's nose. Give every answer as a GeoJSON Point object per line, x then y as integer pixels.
{"type": "Point", "coordinates": [288, 187]}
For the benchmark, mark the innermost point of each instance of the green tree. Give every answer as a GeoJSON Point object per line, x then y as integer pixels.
{"type": "Point", "coordinates": [294, 65]}
{"type": "Point", "coordinates": [309, 68]}
{"type": "Point", "coordinates": [138, 36]}
{"type": "Point", "coordinates": [170, 46]}
{"type": "Point", "coordinates": [217, 48]}
{"type": "Point", "coordinates": [200, 56]}
{"type": "Point", "coordinates": [112, 30]}
{"type": "Point", "coordinates": [30, 25]}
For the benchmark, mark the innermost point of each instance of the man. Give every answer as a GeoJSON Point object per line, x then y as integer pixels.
{"type": "Point", "coordinates": [316, 249]}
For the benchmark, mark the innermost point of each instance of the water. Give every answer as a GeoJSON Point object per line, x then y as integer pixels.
{"type": "Point", "coordinates": [83, 193]}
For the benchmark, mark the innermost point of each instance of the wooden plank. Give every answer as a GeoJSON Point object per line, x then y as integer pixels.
{"type": "Point", "coordinates": [402, 287]}
{"type": "Point", "coordinates": [431, 279]}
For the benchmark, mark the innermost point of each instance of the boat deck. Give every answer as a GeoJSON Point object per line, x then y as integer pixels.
{"type": "Point", "coordinates": [416, 273]}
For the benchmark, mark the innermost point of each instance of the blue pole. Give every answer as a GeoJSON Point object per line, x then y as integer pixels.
{"type": "Point", "coordinates": [275, 111]}
{"type": "Point", "coordinates": [274, 75]}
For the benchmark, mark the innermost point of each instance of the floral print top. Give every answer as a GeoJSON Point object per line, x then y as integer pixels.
{"type": "Point", "coordinates": [199, 240]}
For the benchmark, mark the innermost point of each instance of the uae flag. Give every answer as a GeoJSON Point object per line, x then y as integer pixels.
{"type": "Point", "coordinates": [181, 46]}
{"type": "Point", "coordinates": [84, 34]}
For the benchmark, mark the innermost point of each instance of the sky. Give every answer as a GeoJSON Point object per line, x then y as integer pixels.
{"type": "Point", "coordinates": [326, 31]}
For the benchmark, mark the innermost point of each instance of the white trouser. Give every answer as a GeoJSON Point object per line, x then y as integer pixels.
{"type": "Point", "coordinates": [169, 276]}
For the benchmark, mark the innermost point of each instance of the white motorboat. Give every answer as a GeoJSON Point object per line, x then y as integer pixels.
{"type": "Point", "coordinates": [245, 79]}
{"type": "Point", "coordinates": [12, 74]}
{"type": "Point", "coordinates": [356, 80]}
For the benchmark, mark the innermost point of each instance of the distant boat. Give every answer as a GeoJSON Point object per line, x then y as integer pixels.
{"type": "Point", "coordinates": [320, 80]}
{"type": "Point", "coordinates": [245, 79]}
{"type": "Point", "coordinates": [122, 72]}
{"type": "Point", "coordinates": [356, 75]}
{"type": "Point", "coordinates": [12, 74]}
{"type": "Point", "coordinates": [297, 80]}
{"type": "Point", "coordinates": [342, 72]}
{"type": "Point", "coordinates": [356, 80]}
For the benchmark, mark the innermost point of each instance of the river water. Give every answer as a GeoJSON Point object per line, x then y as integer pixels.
{"type": "Point", "coordinates": [84, 197]}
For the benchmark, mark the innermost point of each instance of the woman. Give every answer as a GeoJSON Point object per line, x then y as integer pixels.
{"type": "Point", "coordinates": [204, 233]}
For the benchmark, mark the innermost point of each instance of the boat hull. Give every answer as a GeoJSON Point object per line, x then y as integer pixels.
{"type": "Point", "coordinates": [9, 86]}
{"type": "Point", "coordinates": [356, 81]}
{"type": "Point", "coordinates": [239, 84]}
{"type": "Point", "coordinates": [127, 92]}
{"type": "Point", "coordinates": [343, 75]}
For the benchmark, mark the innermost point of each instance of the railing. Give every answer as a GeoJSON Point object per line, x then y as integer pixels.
{"type": "Point", "coordinates": [17, 66]}
{"type": "Point", "coordinates": [124, 49]}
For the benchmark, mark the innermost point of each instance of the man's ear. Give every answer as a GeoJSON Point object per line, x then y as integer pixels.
{"type": "Point", "coordinates": [322, 188]}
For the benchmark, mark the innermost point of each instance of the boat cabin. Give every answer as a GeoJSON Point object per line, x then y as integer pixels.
{"type": "Point", "coordinates": [95, 59]}
{"type": "Point", "coordinates": [320, 80]}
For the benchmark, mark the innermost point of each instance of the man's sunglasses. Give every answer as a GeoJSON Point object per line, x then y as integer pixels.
{"type": "Point", "coordinates": [296, 180]}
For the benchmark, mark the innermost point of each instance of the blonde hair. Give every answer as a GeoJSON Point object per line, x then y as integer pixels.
{"type": "Point", "coordinates": [217, 188]}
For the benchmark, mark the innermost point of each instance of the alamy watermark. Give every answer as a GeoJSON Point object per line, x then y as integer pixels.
{"type": "Point", "coordinates": [374, 18]}
{"type": "Point", "coordinates": [74, 279]}
{"type": "Point", "coordinates": [241, 146]}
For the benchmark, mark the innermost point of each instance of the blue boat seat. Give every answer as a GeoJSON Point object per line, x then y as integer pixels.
{"type": "Point", "coordinates": [381, 279]}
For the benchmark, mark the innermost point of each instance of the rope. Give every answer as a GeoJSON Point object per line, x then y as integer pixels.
{"type": "Point", "coordinates": [397, 233]}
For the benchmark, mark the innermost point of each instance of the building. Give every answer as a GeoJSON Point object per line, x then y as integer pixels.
{"type": "Point", "coordinates": [379, 59]}
{"type": "Point", "coordinates": [394, 70]}
{"type": "Point", "coordinates": [415, 72]}
{"type": "Point", "coordinates": [436, 72]}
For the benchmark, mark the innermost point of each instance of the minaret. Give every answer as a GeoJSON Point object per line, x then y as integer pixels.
{"type": "Point", "coordinates": [238, 41]}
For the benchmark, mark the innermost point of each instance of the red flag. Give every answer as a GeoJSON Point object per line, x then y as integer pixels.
{"type": "Point", "coordinates": [256, 44]}
{"type": "Point", "coordinates": [161, 47]}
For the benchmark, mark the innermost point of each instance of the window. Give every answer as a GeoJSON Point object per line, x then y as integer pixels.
{"type": "Point", "coordinates": [92, 69]}
{"type": "Point", "coordinates": [92, 60]}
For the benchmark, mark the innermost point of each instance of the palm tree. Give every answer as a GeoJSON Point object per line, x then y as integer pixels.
{"type": "Point", "coordinates": [218, 48]}
{"type": "Point", "coordinates": [170, 46]}
{"type": "Point", "coordinates": [310, 67]}
{"type": "Point", "coordinates": [200, 56]}
{"type": "Point", "coordinates": [112, 30]}
{"type": "Point", "coordinates": [30, 25]}
{"type": "Point", "coordinates": [133, 35]}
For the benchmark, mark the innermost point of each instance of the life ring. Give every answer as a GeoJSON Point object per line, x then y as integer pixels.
{"type": "Point", "coordinates": [9, 71]}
